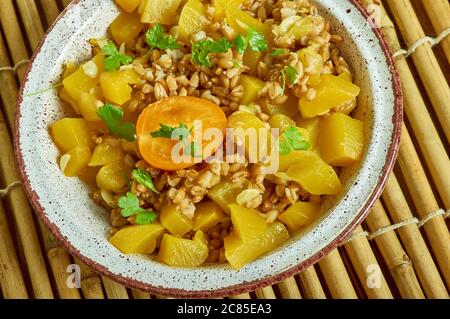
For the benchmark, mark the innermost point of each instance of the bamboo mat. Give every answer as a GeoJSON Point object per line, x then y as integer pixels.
{"type": "Point", "coordinates": [402, 250]}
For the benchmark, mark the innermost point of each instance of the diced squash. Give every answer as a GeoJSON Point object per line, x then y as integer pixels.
{"type": "Point", "coordinates": [341, 139]}
{"type": "Point", "coordinates": [106, 154]}
{"type": "Point", "coordinates": [222, 5]}
{"type": "Point", "coordinates": [241, 21]}
{"type": "Point", "coordinates": [192, 19]}
{"type": "Point", "coordinates": [288, 108]}
{"type": "Point", "coordinates": [251, 86]}
{"type": "Point", "coordinates": [312, 126]}
{"type": "Point", "coordinates": [78, 157]}
{"type": "Point", "coordinates": [174, 221]}
{"type": "Point", "coordinates": [66, 98]}
{"type": "Point", "coordinates": [300, 214]}
{"type": "Point", "coordinates": [79, 82]}
{"type": "Point", "coordinates": [87, 105]}
{"type": "Point", "coordinates": [88, 175]}
{"type": "Point", "coordinates": [115, 87]}
{"type": "Point", "coordinates": [239, 252]}
{"type": "Point", "coordinates": [126, 28]}
{"type": "Point", "coordinates": [225, 193]}
{"type": "Point", "coordinates": [331, 92]}
{"type": "Point", "coordinates": [207, 215]}
{"type": "Point", "coordinates": [130, 147]}
{"type": "Point", "coordinates": [69, 68]}
{"type": "Point", "coordinates": [314, 175]}
{"type": "Point", "coordinates": [314, 64]}
{"type": "Point", "coordinates": [179, 252]}
{"type": "Point", "coordinates": [286, 160]}
{"type": "Point", "coordinates": [251, 59]}
{"type": "Point", "coordinates": [113, 177]}
{"type": "Point", "coordinates": [160, 11]}
{"type": "Point", "coordinates": [128, 5]}
{"type": "Point", "coordinates": [69, 133]}
{"type": "Point", "coordinates": [247, 222]}
{"type": "Point", "coordinates": [305, 26]}
{"type": "Point", "coordinates": [281, 121]}
{"type": "Point", "coordinates": [137, 239]}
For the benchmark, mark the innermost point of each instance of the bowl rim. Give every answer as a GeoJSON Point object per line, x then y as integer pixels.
{"type": "Point", "coordinates": [397, 120]}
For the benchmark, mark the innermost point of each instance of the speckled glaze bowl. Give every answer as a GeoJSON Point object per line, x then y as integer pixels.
{"type": "Point", "coordinates": [82, 227]}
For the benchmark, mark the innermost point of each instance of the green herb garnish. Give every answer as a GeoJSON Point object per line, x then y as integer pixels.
{"type": "Point", "coordinates": [276, 52]}
{"type": "Point", "coordinates": [202, 49]}
{"type": "Point", "coordinates": [167, 131]}
{"type": "Point", "coordinates": [292, 140]}
{"type": "Point", "coordinates": [114, 58]}
{"type": "Point", "coordinates": [291, 74]}
{"type": "Point", "coordinates": [240, 42]}
{"type": "Point", "coordinates": [256, 40]}
{"type": "Point", "coordinates": [156, 38]}
{"type": "Point", "coordinates": [129, 205]}
{"type": "Point", "coordinates": [112, 116]}
{"type": "Point", "coordinates": [143, 177]}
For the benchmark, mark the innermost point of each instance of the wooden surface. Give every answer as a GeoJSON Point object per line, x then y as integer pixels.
{"type": "Point", "coordinates": [400, 251]}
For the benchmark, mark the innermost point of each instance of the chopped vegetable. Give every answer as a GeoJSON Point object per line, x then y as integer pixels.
{"type": "Point", "coordinates": [112, 116]}
{"type": "Point", "coordinates": [256, 40]}
{"type": "Point", "coordinates": [240, 42]}
{"type": "Point", "coordinates": [155, 38]}
{"type": "Point", "coordinates": [276, 52]}
{"type": "Point", "coordinates": [114, 58]}
{"type": "Point", "coordinates": [292, 140]}
{"type": "Point", "coordinates": [202, 49]}
{"type": "Point", "coordinates": [130, 206]}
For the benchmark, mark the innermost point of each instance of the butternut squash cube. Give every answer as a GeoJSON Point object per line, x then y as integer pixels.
{"type": "Point", "coordinates": [160, 11]}
{"type": "Point", "coordinates": [207, 215]}
{"type": "Point", "coordinates": [300, 214]}
{"type": "Point", "coordinates": [113, 177]}
{"type": "Point", "coordinates": [106, 154]}
{"type": "Point", "coordinates": [251, 86]}
{"type": "Point", "coordinates": [312, 126]}
{"type": "Point", "coordinates": [69, 133]}
{"type": "Point", "coordinates": [126, 28]}
{"type": "Point", "coordinates": [225, 193]}
{"type": "Point", "coordinates": [331, 92]}
{"type": "Point", "coordinates": [87, 105]}
{"type": "Point", "coordinates": [63, 95]}
{"type": "Point", "coordinates": [313, 63]}
{"type": "Point", "coordinates": [281, 121]}
{"type": "Point", "coordinates": [88, 175]}
{"type": "Point", "coordinates": [288, 108]}
{"type": "Point", "coordinates": [174, 221]}
{"type": "Point", "coordinates": [222, 5]}
{"type": "Point", "coordinates": [192, 19]}
{"type": "Point", "coordinates": [251, 59]}
{"type": "Point", "coordinates": [128, 5]}
{"type": "Point", "coordinates": [314, 175]}
{"type": "Point", "coordinates": [179, 252]}
{"type": "Point", "coordinates": [247, 222]}
{"type": "Point", "coordinates": [241, 21]}
{"type": "Point", "coordinates": [78, 158]}
{"type": "Point", "coordinates": [137, 239]}
{"type": "Point", "coordinates": [341, 139]}
{"type": "Point", "coordinates": [239, 252]}
{"type": "Point", "coordinates": [115, 87]}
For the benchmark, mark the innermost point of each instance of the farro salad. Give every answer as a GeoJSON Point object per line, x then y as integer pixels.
{"type": "Point", "coordinates": [210, 130]}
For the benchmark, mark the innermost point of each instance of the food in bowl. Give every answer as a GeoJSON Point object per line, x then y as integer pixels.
{"type": "Point", "coordinates": [174, 71]}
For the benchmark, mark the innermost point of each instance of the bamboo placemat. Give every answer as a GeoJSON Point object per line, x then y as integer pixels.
{"type": "Point", "coordinates": [402, 250]}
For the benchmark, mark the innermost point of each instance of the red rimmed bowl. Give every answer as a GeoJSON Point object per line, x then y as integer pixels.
{"type": "Point", "coordinates": [82, 227]}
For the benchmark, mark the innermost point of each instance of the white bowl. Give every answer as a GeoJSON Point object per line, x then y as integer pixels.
{"type": "Point", "coordinates": [82, 227]}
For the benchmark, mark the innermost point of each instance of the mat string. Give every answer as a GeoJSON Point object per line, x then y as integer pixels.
{"type": "Point", "coordinates": [420, 42]}
{"type": "Point", "coordinates": [15, 67]}
{"type": "Point", "coordinates": [5, 191]}
{"type": "Point", "coordinates": [409, 221]}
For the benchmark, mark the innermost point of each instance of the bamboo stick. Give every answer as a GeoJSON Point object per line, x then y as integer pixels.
{"type": "Point", "coordinates": [425, 203]}
{"type": "Point", "coordinates": [265, 293]}
{"type": "Point", "coordinates": [289, 289]}
{"type": "Point", "coordinates": [114, 290]}
{"type": "Point", "coordinates": [59, 260]}
{"type": "Point", "coordinates": [397, 260]}
{"type": "Point", "coordinates": [245, 295]}
{"type": "Point", "coordinates": [137, 294]}
{"type": "Point", "coordinates": [413, 242]}
{"type": "Point", "coordinates": [439, 13]}
{"type": "Point", "coordinates": [336, 276]}
{"type": "Point", "coordinates": [425, 61]}
{"type": "Point", "coordinates": [11, 279]}
{"type": "Point", "coordinates": [91, 284]}
{"type": "Point", "coordinates": [11, 30]}
{"type": "Point", "coordinates": [31, 21]}
{"type": "Point", "coordinates": [362, 258]}
{"type": "Point", "coordinates": [51, 10]}
{"type": "Point", "coordinates": [312, 289]}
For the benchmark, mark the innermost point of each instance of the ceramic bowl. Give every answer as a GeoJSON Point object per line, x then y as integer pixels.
{"type": "Point", "coordinates": [82, 227]}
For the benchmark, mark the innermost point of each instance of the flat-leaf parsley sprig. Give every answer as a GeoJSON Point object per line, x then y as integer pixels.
{"type": "Point", "coordinates": [292, 140]}
{"type": "Point", "coordinates": [143, 177]}
{"type": "Point", "coordinates": [129, 205]}
{"type": "Point", "coordinates": [114, 59]}
{"type": "Point", "coordinates": [112, 116]}
{"type": "Point", "coordinates": [156, 38]}
{"type": "Point", "coordinates": [166, 131]}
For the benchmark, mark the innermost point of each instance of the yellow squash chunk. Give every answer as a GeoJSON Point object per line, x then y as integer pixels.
{"type": "Point", "coordinates": [179, 252]}
{"type": "Point", "coordinates": [66, 98]}
{"type": "Point", "coordinates": [300, 214]}
{"type": "Point", "coordinates": [312, 126]}
{"type": "Point", "coordinates": [331, 92]}
{"type": "Point", "coordinates": [69, 133]}
{"type": "Point", "coordinates": [82, 81]}
{"type": "Point", "coordinates": [160, 11]}
{"type": "Point", "coordinates": [128, 5]}
{"type": "Point", "coordinates": [281, 121]}
{"type": "Point", "coordinates": [113, 177]}
{"type": "Point", "coordinates": [251, 86]}
{"type": "Point", "coordinates": [247, 222]}
{"type": "Point", "coordinates": [251, 59]}
{"type": "Point", "coordinates": [115, 87]}
{"type": "Point", "coordinates": [313, 63]}
{"type": "Point", "coordinates": [126, 28]}
{"type": "Point", "coordinates": [138, 239]}
{"type": "Point", "coordinates": [130, 147]}
{"type": "Point", "coordinates": [341, 139]}
{"type": "Point", "coordinates": [88, 175]}
{"type": "Point", "coordinates": [106, 154]}
{"type": "Point", "coordinates": [222, 5]}
{"type": "Point", "coordinates": [241, 21]}
{"type": "Point", "coordinates": [207, 215]}
{"type": "Point", "coordinates": [78, 158]}
{"type": "Point", "coordinates": [69, 68]}
{"type": "Point", "coordinates": [87, 105]}
{"type": "Point", "coordinates": [225, 193]}
{"type": "Point", "coordinates": [286, 160]}
{"type": "Point", "coordinates": [314, 175]}
{"type": "Point", "coordinates": [239, 252]}
{"type": "Point", "coordinates": [305, 26]}
{"type": "Point", "coordinates": [192, 19]}
{"type": "Point", "coordinates": [174, 221]}
{"type": "Point", "coordinates": [288, 108]}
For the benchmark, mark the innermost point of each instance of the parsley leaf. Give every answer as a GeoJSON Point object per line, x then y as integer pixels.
{"type": "Point", "coordinates": [202, 49]}
{"type": "Point", "coordinates": [155, 38]}
{"type": "Point", "coordinates": [143, 177]}
{"type": "Point", "coordinates": [292, 140]}
{"type": "Point", "coordinates": [145, 218]}
{"type": "Point", "coordinates": [256, 40]}
{"type": "Point", "coordinates": [291, 73]}
{"type": "Point", "coordinates": [167, 131]}
{"type": "Point", "coordinates": [114, 58]}
{"type": "Point", "coordinates": [276, 52]}
{"type": "Point", "coordinates": [240, 42]}
{"type": "Point", "coordinates": [112, 117]}
{"type": "Point", "coordinates": [130, 205]}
